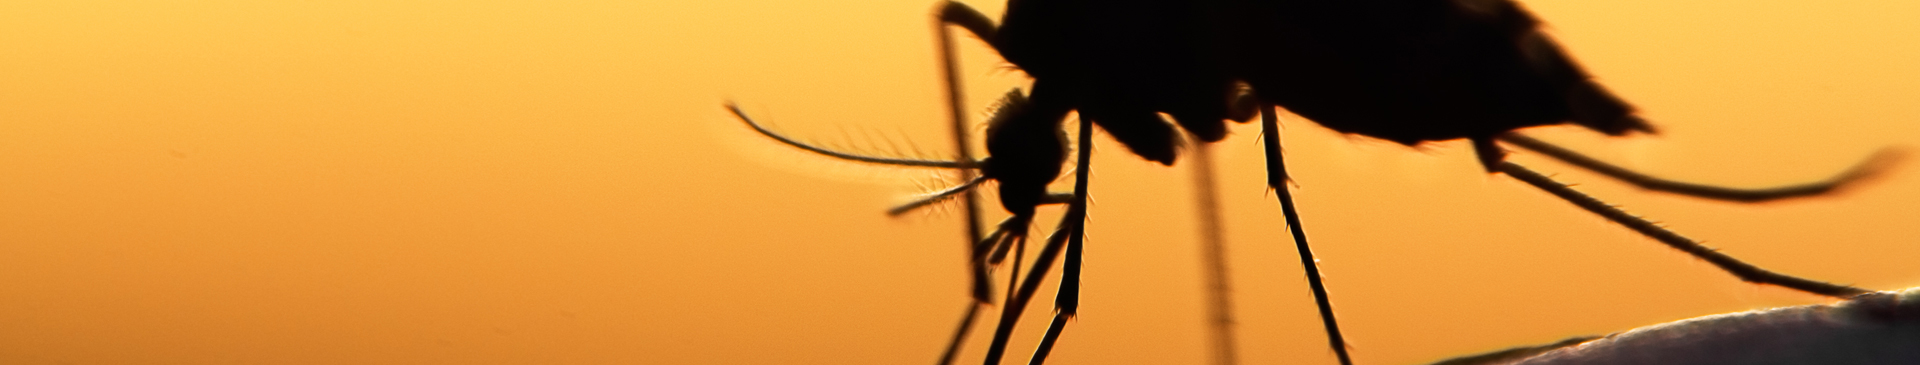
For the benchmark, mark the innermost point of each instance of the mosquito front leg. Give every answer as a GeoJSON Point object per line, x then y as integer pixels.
{"type": "Point", "coordinates": [959, 14]}
{"type": "Point", "coordinates": [1277, 180]}
{"type": "Point", "coordinates": [956, 13]}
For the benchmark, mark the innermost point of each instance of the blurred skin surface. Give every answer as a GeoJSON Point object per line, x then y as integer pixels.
{"type": "Point", "coordinates": [378, 182]}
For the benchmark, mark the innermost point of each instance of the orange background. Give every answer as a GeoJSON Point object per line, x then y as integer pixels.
{"type": "Point", "coordinates": [460, 182]}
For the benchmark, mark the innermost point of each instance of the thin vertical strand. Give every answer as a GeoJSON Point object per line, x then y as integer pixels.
{"type": "Point", "coordinates": [1013, 276]}
{"type": "Point", "coordinates": [1213, 260]}
{"type": "Point", "coordinates": [1277, 179]}
{"type": "Point", "coordinates": [1053, 337]}
{"type": "Point", "coordinates": [960, 334]}
{"type": "Point", "coordinates": [956, 112]}
{"type": "Point", "coordinates": [1067, 303]}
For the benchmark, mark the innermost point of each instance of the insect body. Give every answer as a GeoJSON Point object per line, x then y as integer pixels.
{"type": "Point", "coordinates": [1404, 71]}
{"type": "Point", "coordinates": [1408, 71]}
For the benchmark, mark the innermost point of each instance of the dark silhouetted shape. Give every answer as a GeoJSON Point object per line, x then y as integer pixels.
{"type": "Point", "coordinates": [1408, 71]}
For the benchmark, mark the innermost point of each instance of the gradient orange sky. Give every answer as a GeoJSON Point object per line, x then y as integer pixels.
{"type": "Point", "coordinates": [469, 182]}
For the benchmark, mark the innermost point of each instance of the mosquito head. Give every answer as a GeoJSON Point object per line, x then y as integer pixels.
{"type": "Point", "coordinates": [1027, 149]}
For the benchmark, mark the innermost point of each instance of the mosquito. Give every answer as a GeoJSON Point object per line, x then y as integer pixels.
{"type": "Point", "coordinates": [1407, 71]}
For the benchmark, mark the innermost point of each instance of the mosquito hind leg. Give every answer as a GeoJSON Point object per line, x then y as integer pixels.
{"type": "Point", "coordinates": [1866, 169]}
{"type": "Point", "coordinates": [1277, 180]}
{"type": "Point", "coordinates": [1746, 272]}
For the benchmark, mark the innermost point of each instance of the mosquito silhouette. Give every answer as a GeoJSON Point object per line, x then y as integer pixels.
{"type": "Point", "coordinates": [1407, 71]}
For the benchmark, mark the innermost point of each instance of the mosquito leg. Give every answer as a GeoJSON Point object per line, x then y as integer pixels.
{"type": "Point", "coordinates": [1277, 180]}
{"type": "Point", "coordinates": [956, 99]}
{"type": "Point", "coordinates": [1010, 231]}
{"type": "Point", "coordinates": [1860, 172]}
{"type": "Point", "coordinates": [1746, 272]}
{"type": "Point", "coordinates": [963, 191]}
{"type": "Point", "coordinates": [960, 334]}
{"type": "Point", "coordinates": [1013, 276]}
{"type": "Point", "coordinates": [829, 152]}
{"type": "Point", "coordinates": [1010, 314]}
{"type": "Point", "coordinates": [1213, 258]}
{"type": "Point", "coordinates": [1067, 303]}
{"type": "Point", "coordinates": [1053, 337]}
{"type": "Point", "coordinates": [957, 115]}
{"type": "Point", "coordinates": [965, 17]}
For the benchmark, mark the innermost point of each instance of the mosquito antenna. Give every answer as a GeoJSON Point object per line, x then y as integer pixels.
{"type": "Point", "coordinates": [843, 155]}
{"type": "Point", "coordinates": [1746, 272]}
{"type": "Point", "coordinates": [1866, 169]}
{"type": "Point", "coordinates": [938, 196]}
